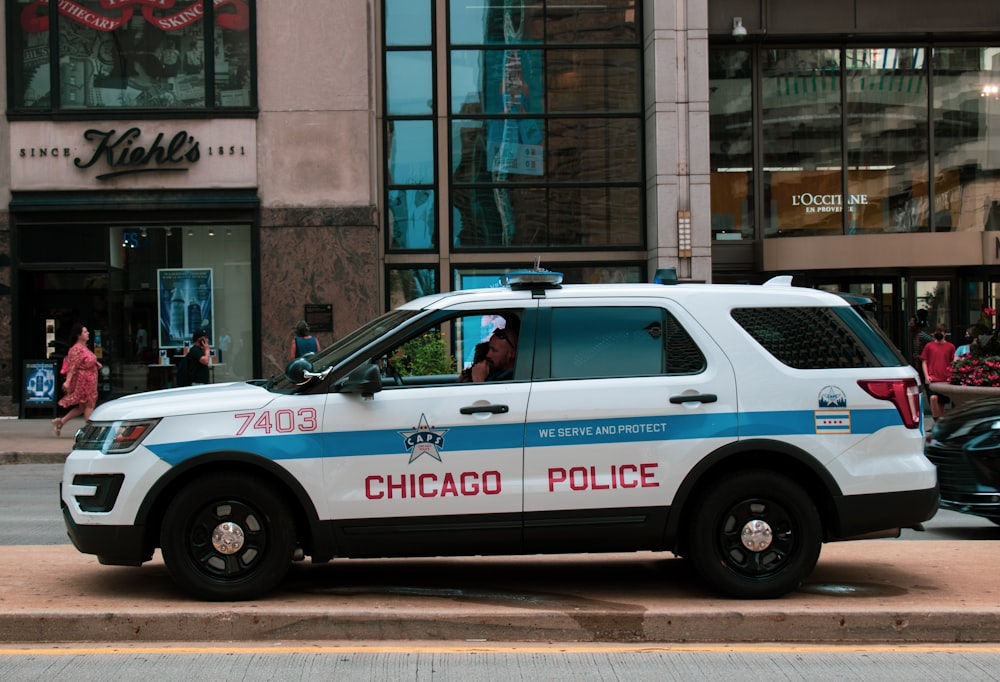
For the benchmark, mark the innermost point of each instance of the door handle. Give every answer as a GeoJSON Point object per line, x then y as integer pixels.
{"type": "Point", "coordinates": [495, 409]}
{"type": "Point", "coordinates": [694, 398]}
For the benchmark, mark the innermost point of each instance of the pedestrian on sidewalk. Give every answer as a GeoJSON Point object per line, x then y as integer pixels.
{"type": "Point", "coordinates": [80, 385]}
{"type": "Point", "coordinates": [937, 357]}
{"type": "Point", "coordinates": [303, 342]}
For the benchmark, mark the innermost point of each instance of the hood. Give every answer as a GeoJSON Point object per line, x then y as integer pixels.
{"type": "Point", "coordinates": [174, 402]}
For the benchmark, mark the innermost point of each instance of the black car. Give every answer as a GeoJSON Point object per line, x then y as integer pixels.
{"type": "Point", "coordinates": [964, 445]}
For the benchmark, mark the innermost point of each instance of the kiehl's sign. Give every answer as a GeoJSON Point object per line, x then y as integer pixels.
{"type": "Point", "coordinates": [128, 153]}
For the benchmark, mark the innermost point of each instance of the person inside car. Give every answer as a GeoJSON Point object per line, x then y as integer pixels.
{"type": "Point", "coordinates": [498, 365]}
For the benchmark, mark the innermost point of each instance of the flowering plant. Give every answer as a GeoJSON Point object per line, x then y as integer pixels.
{"type": "Point", "coordinates": [981, 366]}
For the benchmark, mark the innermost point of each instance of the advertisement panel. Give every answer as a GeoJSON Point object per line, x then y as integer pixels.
{"type": "Point", "coordinates": [185, 303]}
{"type": "Point", "coordinates": [39, 388]}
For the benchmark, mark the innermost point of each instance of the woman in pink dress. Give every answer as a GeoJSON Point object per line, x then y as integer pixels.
{"type": "Point", "coordinates": [80, 385]}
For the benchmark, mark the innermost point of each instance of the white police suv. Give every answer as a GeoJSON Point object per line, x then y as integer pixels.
{"type": "Point", "coordinates": [737, 426]}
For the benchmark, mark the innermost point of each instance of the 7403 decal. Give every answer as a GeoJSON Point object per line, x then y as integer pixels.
{"type": "Point", "coordinates": [280, 421]}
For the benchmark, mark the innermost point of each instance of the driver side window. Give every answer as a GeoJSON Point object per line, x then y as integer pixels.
{"type": "Point", "coordinates": [439, 353]}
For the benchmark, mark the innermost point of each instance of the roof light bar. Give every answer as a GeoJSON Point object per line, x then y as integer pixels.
{"type": "Point", "coordinates": [533, 279]}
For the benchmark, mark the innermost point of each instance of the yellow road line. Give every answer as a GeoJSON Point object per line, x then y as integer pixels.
{"type": "Point", "coordinates": [485, 647]}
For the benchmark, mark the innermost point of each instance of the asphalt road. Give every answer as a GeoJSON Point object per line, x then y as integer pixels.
{"type": "Point", "coordinates": [441, 662]}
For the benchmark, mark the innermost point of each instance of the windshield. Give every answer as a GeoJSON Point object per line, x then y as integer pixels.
{"type": "Point", "coordinates": [340, 350]}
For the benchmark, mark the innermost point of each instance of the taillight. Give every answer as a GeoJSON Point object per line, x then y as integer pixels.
{"type": "Point", "coordinates": [903, 393]}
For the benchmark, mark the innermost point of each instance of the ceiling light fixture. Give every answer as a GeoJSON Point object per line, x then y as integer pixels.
{"type": "Point", "coordinates": [739, 30]}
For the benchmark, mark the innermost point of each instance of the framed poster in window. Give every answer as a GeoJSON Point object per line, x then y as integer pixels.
{"type": "Point", "coordinates": [185, 303]}
{"type": "Point", "coordinates": [39, 389]}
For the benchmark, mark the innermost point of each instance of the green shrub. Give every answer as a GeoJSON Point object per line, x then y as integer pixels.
{"type": "Point", "coordinates": [423, 355]}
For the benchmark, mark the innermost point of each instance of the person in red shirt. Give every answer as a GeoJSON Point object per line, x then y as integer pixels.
{"type": "Point", "coordinates": [936, 358]}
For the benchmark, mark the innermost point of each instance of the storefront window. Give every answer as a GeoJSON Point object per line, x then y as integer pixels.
{"type": "Point", "coordinates": [130, 54]}
{"type": "Point", "coordinates": [871, 106]}
{"type": "Point", "coordinates": [173, 281]}
{"type": "Point", "coordinates": [731, 140]}
{"type": "Point", "coordinates": [967, 138]}
{"type": "Point", "coordinates": [886, 137]}
{"type": "Point", "coordinates": [801, 142]}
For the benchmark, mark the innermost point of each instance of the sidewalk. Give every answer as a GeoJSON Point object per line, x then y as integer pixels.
{"type": "Point", "coordinates": [31, 441]}
{"type": "Point", "coordinates": [867, 592]}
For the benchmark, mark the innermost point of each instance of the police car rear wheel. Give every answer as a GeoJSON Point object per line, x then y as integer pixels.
{"type": "Point", "coordinates": [755, 535]}
{"type": "Point", "coordinates": [227, 538]}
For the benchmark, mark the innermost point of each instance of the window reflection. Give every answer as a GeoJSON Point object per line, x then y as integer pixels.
{"type": "Point", "coordinates": [593, 81]}
{"type": "Point", "coordinates": [966, 121]}
{"type": "Point", "coordinates": [479, 277]}
{"type": "Point", "coordinates": [409, 89]}
{"type": "Point", "coordinates": [731, 142]}
{"type": "Point", "coordinates": [497, 81]}
{"type": "Point", "coordinates": [496, 22]}
{"type": "Point", "coordinates": [513, 163]}
{"type": "Point", "coordinates": [156, 58]}
{"type": "Point", "coordinates": [411, 152]}
{"type": "Point", "coordinates": [591, 21]}
{"type": "Point", "coordinates": [886, 134]}
{"type": "Point", "coordinates": [801, 141]}
{"type": "Point", "coordinates": [411, 219]}
{"type": "Point", "coordinates": [407, 22]}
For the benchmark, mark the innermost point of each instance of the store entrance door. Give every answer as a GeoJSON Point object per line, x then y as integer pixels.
{"type": "Point", "coordinates": [65, 297]}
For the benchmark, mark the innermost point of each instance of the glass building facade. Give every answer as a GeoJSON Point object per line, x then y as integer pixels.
{"type": "Point", "coordinates": [854, 140]}
{"type": "Point", "coordinates": [511, 130]}
{"type": "Point", "coordinates": [854, 147]}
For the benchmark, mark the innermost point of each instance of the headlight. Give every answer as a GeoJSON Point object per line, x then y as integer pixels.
{"type": "Point", "coordinates": [114, 438]}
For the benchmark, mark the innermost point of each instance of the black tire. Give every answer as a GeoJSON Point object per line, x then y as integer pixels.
{"type": "Point", "coordinates": [261, 525]}
{"type": "Point", "coordinates": [772, 501]}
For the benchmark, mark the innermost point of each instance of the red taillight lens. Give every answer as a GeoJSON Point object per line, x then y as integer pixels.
{"type": "Point", "coordinates": [903, 393]}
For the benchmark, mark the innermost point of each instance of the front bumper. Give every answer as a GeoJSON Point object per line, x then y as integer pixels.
{"type": "Point", "coordinates": [968, 481]}
{"type": "Point", "coordinates": [113, 545]}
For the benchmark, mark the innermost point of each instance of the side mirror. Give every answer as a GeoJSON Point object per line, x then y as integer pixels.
{"type": "Point", "coordinates": [366, 380]}
{"type": "Point", "coordinates": [297, 370]}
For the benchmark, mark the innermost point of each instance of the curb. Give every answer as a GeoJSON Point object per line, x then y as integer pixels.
{"type": "Point", "coordinates": [33, 457]}
{"type": "Point", "coordinates": [246, 625]}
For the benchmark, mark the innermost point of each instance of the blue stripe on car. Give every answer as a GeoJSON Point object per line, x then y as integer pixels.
{"type": "Point", "coordinates": [534, 434]}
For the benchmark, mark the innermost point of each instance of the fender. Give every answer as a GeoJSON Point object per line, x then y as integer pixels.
{"type": "Point", "coordinates": [739, 455]}
{"type": "Point", "coordinates": [156, 497]}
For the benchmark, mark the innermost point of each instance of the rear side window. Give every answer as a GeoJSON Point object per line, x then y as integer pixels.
{"type": "Point", "coordinates": [817, 338]}
{"type": "Point", "coordinates": [620, 342]}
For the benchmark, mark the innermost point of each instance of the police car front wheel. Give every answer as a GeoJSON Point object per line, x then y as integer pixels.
{"type": "Point", "coordinates": [227, 537]}
{"type": "Point", "coordinates": [755, 535]}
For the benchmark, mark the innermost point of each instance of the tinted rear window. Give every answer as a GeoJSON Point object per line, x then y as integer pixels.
{"type": "Point", "coordinates": [817, 338]}
{"type": "Point", "coordinates": [620, 342]}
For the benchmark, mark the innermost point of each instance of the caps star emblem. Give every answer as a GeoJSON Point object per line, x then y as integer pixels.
{"type": "Point", "coordinates": [423, 439]}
